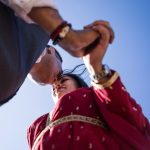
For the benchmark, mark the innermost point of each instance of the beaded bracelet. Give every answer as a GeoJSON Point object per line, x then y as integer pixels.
{"type": "Point", "coordinates": [60, 32]}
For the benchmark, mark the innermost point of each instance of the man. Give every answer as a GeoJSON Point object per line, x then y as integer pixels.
{"type": "Point", "coordinates": [45, 13]}
{"type": "Point", "coordinates": [47, 67]}
{"type": "Point", "coordinates": [22, 43]}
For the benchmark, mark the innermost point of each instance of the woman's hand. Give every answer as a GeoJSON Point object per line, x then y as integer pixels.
{"type": "Point", "coordinates": [93, 60]}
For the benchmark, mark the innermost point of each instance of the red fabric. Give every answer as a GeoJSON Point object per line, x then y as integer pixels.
{"type": "Point", "coordinates": [128, 128]}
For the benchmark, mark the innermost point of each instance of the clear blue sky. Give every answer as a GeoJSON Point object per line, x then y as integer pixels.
{"type": "Point", "coordinates": [129, 55]}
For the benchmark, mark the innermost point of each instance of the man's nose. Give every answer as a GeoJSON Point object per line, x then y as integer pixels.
{"type": "Point", "coordinates": [57, 84]}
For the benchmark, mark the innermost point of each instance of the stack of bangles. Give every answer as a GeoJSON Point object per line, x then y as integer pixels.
{"type": "Point", "coordinates": [60, 32]}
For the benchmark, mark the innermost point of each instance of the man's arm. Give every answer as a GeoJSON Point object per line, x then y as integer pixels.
{"type": "Point", "coordinates": [75, 41]}
{"type": "Point", "coordinates": [44, 13]}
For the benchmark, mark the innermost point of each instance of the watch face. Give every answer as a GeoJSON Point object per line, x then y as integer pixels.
{"type": "Point", "coordinates": [102, 74]}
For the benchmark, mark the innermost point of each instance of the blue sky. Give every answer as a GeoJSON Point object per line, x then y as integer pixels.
{"type": "Point", "coordinates": [129, 55]}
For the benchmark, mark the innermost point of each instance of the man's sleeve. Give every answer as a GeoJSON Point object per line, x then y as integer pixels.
{"type": "Point", "coordinates": [20, 46]}
{"type": "Point", "coordinates": [23, 7]}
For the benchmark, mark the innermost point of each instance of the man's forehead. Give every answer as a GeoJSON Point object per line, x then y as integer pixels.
{"type": "Point", "coordinates": [44, 52]}
{"type": "Point", "coordinates": [42, 55]}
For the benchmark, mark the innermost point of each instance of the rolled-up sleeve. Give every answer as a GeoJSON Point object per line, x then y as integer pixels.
{"type": "Point", "coordinates": [23, 7]}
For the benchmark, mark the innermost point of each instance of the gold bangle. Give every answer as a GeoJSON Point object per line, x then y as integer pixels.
{"type": "Point", "coordinates": [105, 72]}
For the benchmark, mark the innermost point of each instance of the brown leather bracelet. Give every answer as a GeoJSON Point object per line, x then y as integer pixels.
{"type": "Point", "coordinates": [60, 32]}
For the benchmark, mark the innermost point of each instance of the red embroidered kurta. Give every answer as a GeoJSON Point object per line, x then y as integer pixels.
{"type": "Point", "coordinates": [128, 129]}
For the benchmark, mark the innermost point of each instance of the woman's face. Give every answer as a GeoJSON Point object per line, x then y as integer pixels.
{"type": "Point", "coordinates": [64, 85]}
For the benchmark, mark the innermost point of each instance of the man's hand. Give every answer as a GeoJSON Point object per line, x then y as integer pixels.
{"type": "Point", "coordinates": [93, 60]}
{"type": "Point", "coordinates": [105, 24]}
{"type": "Point", "coordinates": [76, 41]}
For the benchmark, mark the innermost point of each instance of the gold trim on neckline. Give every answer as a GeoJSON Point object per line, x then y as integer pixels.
{"type": "Point", "coordinates": [69, 118]}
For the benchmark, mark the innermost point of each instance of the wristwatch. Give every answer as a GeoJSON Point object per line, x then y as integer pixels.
{"type": "Point", "coordinates": [105, 72]}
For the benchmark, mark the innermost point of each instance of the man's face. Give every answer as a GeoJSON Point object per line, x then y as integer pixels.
{"type": "Point", "coordinates": [47, 68]}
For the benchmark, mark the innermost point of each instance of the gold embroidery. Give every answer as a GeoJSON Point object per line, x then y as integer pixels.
{"type": "Point", "coordinates": [108, 83]}
{"type": "Point", "coordinates": [69, 118]}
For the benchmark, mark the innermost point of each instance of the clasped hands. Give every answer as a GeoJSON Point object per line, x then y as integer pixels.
{"type": "Point", "coordinates": [80, 42]}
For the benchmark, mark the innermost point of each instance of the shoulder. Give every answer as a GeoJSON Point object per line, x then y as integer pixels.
{"type": "Point", "coordinates": [35, 129]}
{"type": "Point", "coordinates": [38, 123]}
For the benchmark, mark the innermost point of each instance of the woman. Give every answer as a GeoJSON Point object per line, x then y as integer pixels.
{"type": "Point", "coordinates": [103, 116]}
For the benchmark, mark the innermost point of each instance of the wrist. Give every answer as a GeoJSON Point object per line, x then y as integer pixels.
{"type": "Point", "coordinates": [60, 32]}
{"type": "Point", "coordinates": [101, 75]}
{"type": "Point", "coordinates": [72, 43]}
{"type": "Point", "coordinates": [48, 18]}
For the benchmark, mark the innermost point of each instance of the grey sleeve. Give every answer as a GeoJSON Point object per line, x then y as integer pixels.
{"type": "Point", "coordinates": [20, 46]}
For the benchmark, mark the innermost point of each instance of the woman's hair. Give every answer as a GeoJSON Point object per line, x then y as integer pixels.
{"type": "Point", "coordinates": [81, 83]}
{"type": "Point", "coordinates": [74, 73]}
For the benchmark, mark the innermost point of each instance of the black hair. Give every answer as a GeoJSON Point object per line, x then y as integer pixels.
{"type": "Point", "coordinates": [81, 83]}
{"type": "Point", "coordinates": [57, 53]}
{"type": "Point", "coordinates": [76, 76]}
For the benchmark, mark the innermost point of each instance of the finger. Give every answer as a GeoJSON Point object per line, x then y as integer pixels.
{"type": "Point", "coordinates": [102, 29]}
{"type": "Point", "coordinates": [104, 35]}
{"type": "Point", "coordinates": [112, 34]}
{"type": "Point", "coordinates": [104, 23]}
{"type": "Point", "coordinates": [98, 22]}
